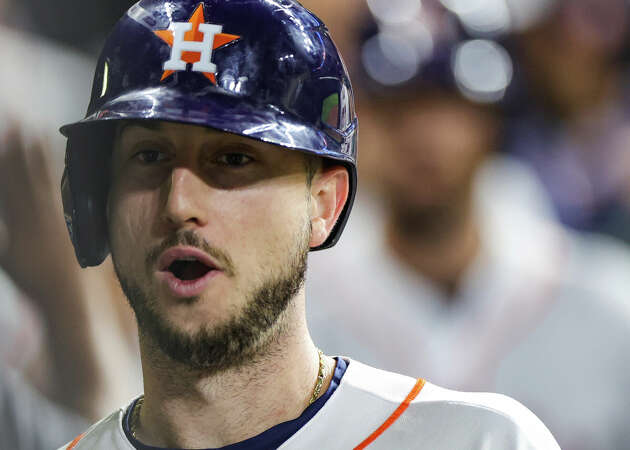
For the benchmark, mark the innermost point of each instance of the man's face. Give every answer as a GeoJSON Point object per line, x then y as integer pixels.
{"type": "Point", "coordinates": [209, 234]}
{"type": "Point", "coordinates": [435, 146]}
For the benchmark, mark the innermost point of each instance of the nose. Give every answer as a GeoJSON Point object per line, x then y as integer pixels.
{"type": "Point", "coordinates": [184, 194]}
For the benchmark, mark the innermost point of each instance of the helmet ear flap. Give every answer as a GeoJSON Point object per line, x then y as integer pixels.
{"type": "Point", "coordinates": [84, 189]}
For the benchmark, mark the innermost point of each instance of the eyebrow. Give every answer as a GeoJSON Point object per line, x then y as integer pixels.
{"type": "Point", "coordinates": [153, 125]}
{"type": "Point", "coordinates": [158, 125]}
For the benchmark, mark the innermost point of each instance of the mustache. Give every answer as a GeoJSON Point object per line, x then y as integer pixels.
{"type": "Point", "coordinates": [189, 238]}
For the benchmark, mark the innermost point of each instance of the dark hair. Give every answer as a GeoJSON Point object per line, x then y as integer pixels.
{"type": "Point", "coordinates": [312, 164]}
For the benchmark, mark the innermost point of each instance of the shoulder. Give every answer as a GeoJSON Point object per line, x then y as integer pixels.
{"type": "Point", "coordinates": [441, 418]}
{"type": "Point", "coordinates": [499, 415]}
{"type": "Point", "coordinates": [107, 434]}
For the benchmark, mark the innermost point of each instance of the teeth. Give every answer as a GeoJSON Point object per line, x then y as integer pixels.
{"type": "Point", "coordinates": [191, 258]}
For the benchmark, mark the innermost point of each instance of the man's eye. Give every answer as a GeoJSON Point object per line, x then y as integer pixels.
{"type": "Point", "coordinates": [151, 156]}
{"type": "Point", "coordinates": [234, 159]}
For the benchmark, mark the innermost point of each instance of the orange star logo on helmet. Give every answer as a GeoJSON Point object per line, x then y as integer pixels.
{"type": "Point", "coordinates": [193, 42]}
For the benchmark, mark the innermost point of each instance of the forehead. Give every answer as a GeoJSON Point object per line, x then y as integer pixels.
{"type": "Point", "coordinates": [422, 100]}
{"type": "Point", "coordinates": [186, 136]}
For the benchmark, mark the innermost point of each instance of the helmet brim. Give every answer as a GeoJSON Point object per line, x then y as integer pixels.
{"type": "Point", "coordinates": [229, 114]}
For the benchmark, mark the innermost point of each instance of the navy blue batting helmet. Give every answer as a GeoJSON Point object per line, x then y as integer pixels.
{"type": "Point", "coordinates": [262, 69]}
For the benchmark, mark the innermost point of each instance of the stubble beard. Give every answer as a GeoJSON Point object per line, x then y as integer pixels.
{"type": "Point", "coordinates": [241, 339]}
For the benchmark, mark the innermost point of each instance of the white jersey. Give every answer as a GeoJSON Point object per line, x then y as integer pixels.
{"type": "Point", "coordinates": [375, 409]}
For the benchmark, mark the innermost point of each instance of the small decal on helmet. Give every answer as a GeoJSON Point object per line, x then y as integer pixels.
{"type": "Point", "coordinates": [330, 110]}
{"type": "Point", "coordinates": [193, 42]}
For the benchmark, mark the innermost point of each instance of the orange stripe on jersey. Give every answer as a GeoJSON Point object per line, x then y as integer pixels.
{"type": "Point", "coordinates": [75, 442]}
{"type": "Point", "coordinates": [395, 415]}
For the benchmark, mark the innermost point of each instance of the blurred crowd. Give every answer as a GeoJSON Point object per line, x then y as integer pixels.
{"type": "Point", "coordinates": [488, 248]}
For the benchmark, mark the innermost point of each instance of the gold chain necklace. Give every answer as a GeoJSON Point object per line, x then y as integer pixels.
{"type": "Point", "coordinates": [320, 378]}
{"type": "Point", "coordinates": [135, 412]}
{"type": "Point", "coordinates": [134, 420]}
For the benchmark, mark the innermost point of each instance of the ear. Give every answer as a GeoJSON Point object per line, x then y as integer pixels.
{"type": "Point", "coordinates": [329, 192]}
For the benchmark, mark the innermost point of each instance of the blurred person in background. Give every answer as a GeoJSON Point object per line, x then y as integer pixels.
{"type": "Point", "coordinates": [455, 267]}
{"type": "Point", "coordinates": [66, 352]}
{"type": "Point", "coordinates": [570, 114]}
{"type": "Point", "coordinates": [39, 296]}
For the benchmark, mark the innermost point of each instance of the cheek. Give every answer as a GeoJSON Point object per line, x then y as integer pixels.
{"type": "Point", "coordinates": [266, 220]}
{"type": "Point", "coordinates": [130, 215]}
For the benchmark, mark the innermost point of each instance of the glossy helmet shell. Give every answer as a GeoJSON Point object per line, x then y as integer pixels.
{"type": "Point", "coordinates": [278, 78]}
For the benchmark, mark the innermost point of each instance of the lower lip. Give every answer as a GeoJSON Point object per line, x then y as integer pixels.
{"type": "Point", "coordinates": [187, 288]}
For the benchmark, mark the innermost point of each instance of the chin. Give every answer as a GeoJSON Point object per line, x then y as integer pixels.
{"type": "Point", "coordinates": [187, 314]}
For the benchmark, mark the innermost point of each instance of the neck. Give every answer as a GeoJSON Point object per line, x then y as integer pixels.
{"type": "Point", "coordinates": [441, 245]}
{"type": "Point", "coordinates": [183, 408]}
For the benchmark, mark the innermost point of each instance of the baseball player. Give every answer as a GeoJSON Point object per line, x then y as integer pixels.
{"type": "Point", "coordinates": [219, 148]}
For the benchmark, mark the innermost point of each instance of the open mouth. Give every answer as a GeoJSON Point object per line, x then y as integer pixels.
{"type": "Point", "coordinates": [186, 263]}
{"type": "Point", "coordinates": [188, 269]}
